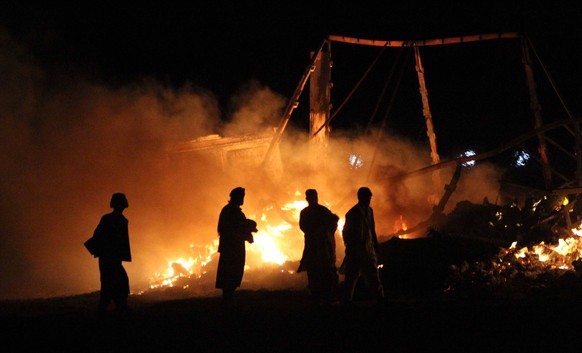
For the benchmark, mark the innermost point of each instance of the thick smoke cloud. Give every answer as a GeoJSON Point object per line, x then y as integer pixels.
{"type": "Point", "coordinates": [68, 144]}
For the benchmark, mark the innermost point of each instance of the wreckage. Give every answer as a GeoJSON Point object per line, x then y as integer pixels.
{"type": "Point", "coordinates": [528, 234]}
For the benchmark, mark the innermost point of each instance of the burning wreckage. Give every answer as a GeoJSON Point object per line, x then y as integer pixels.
{"type": "Point", "coordinates": [528, 239]}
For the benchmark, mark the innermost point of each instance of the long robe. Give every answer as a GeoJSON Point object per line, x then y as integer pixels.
{"type": "Point", "coordinates": [233, 230]}
{"type": "Point", "coordinates": [361, 242]}
{"type": "Point", "coordinates": [112, 235]}
{"type": "Point", "coordinates": [319, 224]}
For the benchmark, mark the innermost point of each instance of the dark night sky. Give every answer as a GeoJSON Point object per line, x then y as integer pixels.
{"type": "Point", "coordinates": [202, 43]}
{"type": "Point", "coordinates": [220, 47]}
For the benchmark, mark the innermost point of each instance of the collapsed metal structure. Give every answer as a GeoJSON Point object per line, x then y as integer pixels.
{"type": "Point", "coordinates": [320, 115]}
{"type": "Point", "coordinates": [485, 256]}
{"type": "Point", "coordinates": [545, 218]}
{"type": "Point", "coordinates": [263, 149]}
{"type": "Point", "coordinates": [319, 69]}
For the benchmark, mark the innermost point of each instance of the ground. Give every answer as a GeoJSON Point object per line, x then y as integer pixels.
{"type": "Point", "coordinates": [285, 321]}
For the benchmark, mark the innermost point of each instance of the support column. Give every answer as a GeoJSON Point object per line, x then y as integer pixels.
{"type": "Point", "coordinates": [429, 125]}
{"type": "Point", "coordinates": [319, 108]}
{"type": "Point", "coordinates": [536, 110]}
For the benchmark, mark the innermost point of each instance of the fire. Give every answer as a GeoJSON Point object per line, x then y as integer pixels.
{"type": "Point", "coordinates": [181, 267]}
{"type": "Point", "coordinates": [559, 256]}
{"type": "Point", "coordinates": [403, 227]}
{"type": "Point", "coordinates": [266, 244]}
{"type": "Point", "coordinates": [279, 242]}
{"type": "Point", "coordinates": [525, 264]}
{"type": "Point", "coordinates": [272, 246]}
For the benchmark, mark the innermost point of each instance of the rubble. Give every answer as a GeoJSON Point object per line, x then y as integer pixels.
{"type": "Point", "coordinates": [487, 248]}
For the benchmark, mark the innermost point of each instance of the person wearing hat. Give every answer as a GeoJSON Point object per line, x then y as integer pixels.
{"type": "Point", "coordinates": [112, 237]}
{"type": "Point", "coordinates": [234, 228]}
{"type": "Point", "coordinates": [361, 245]}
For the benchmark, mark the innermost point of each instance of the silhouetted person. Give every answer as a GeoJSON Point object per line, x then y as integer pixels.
{"type": "Point", "coordinates": [361, 244]}
{"type": "Point", "coordinates": [319, 224]}
{"type": "Point", "coordinates": [233, 230]}
{"type": "Point", "coordinates": [112, 235]}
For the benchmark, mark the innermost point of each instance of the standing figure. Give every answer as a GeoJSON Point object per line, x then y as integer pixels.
{"type": "Point", "coordinates": [319, 225]}
{"type": "Point", "coordinates": [233, 230]}
{"type": "Point", "coordinates": [361, 244]}
{"type": "Point", "coordinates": [112, 237]}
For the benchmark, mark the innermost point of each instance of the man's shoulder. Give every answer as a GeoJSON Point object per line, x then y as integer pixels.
{"type": "Point", "coordinates": [322, 208]}
{"type": "Point", "coordinates": [113, 219]}
{"type": "Point", "coordinates": [112, 216]}
{"type": "Point", "coordinates": [108, 216]}
{"type": "Point", "coordinates": [352, 210]}
{"type": "Point", "coordinates": [229, 207]}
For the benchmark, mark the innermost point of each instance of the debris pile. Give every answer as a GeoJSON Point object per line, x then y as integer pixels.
{"type": "Point", "coordinates": [488, 248]}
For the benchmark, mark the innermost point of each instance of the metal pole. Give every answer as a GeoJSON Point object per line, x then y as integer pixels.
{"type": "Point", "coordinates": [427, 116]}
{"type": "Point", "coordinates": [423, 43]}
{"type": "Point", "coordinates": [536, 110]}
{"type": "Point", "coordinates": [293, 103]}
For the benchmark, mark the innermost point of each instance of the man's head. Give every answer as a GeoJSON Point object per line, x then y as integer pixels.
{"type": "Point", "coordinates": [364, 196]}
{"type": "Point", "coordinates": [311, 196]}
{"type": "Point", "coordinates": [237, 195]}
{"type": "Point", "coordinates": [118, 201]}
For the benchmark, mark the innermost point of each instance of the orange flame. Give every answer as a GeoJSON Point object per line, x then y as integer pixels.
{"type": "Point", "coordinates": [193, 266]}
{"type": "Point", "coordinates": [560, 256]}
{"type": "Point", "coordinates": [271, 246]}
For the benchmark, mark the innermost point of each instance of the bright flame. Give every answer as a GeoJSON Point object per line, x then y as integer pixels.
{"type": "Point", "coordinates": [270, 245]}
{"type": "Point", "coordinates": [266, 244]}
{"type": "Point", "coordinates": [295, 207]}
{"type": "Point", "coordinates": [185, 267]}
{"type": "Point", "coordinates": [518, 266]}
{"type": "Point", "coordinates": [560, 256]}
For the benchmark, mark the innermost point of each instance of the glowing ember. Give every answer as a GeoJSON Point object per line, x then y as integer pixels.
{"type": "Point", "coordinates": [559, 256]}
{"type": "Point", "coordinates": [514, 264]}
{"type": "Point", "coordinates": [401, 224]}
{"type": "Point", "coordinates": [185, 267]}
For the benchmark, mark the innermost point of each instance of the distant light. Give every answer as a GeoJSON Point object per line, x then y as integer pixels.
{"type": "Point", "coordinates": [521, 158]}
{"type": "Point", "coordinates": [468, 153]}
{"type": "Point", "coordinates": [355, 161]}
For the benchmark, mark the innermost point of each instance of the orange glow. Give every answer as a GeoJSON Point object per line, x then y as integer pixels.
{"type": "Point", "coordinates": [401, 227]}
{"type": "Point", "coordinates": [272, 245]}
{"type": "Point", "coordinates": [559, 256]}
{"type": "Point", "coordinates": [184, 267]}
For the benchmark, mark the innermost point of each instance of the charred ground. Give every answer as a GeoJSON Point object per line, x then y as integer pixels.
{"type": "Point", "coordinates": [444, 292]}
{"type": "Point", "coordinates": [284, 321]}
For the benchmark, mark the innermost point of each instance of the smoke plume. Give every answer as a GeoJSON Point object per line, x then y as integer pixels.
{"type": "Point", "coordinates": [68, 144]}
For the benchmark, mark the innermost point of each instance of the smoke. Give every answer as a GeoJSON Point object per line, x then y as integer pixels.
{"type": "Point", "coordinates": [68, 144]}
{"type": "Point", "coordinates": [254, 107]}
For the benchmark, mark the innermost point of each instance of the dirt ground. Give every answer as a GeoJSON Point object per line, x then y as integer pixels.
{"type": "Point", "coordinates": [285, 321]}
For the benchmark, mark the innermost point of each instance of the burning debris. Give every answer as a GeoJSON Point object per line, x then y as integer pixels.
{"type": "Point", "coordinates": [271, 260]}
{"type": "Point", "coordinates": [491, 248]}
{"type": "Point", "coordinates": [477, 246]}
{"type": "Point", "coordinates": [538, 266]}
